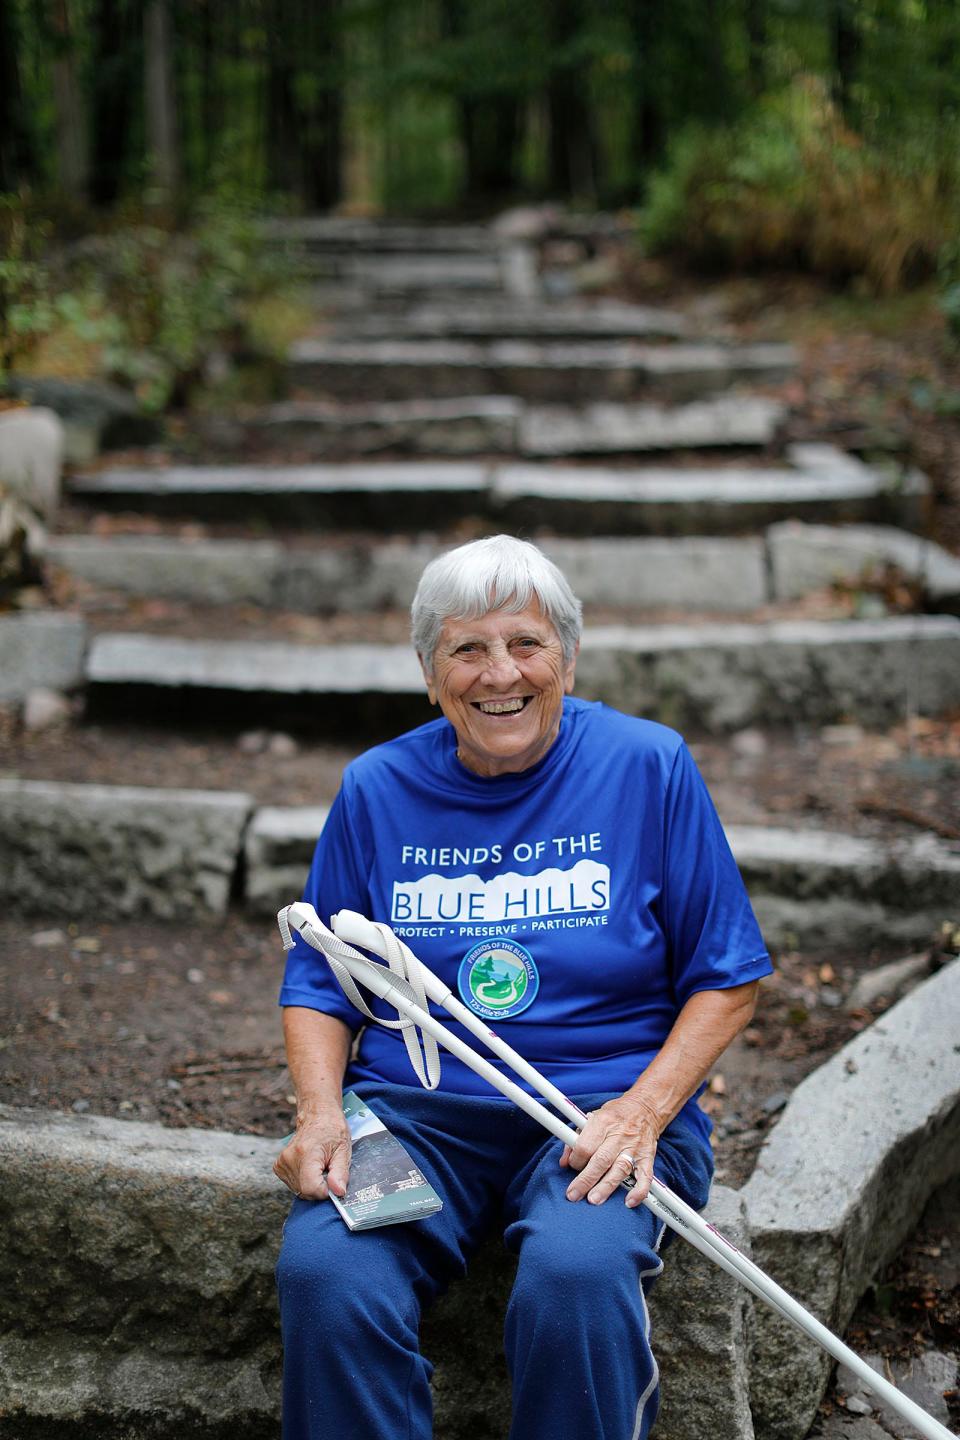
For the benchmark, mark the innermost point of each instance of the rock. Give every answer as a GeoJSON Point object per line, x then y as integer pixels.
{"type": "Point", "coordinates": [701, 1321]}
{"type": "Point", "coordinates": [96, 415]}
{"type": "Point", "coordinates": [40, 651]}
{"type": "Point", "coordinates": [31, 457]}
{"type": "Point", "coordinates": [137, 1298]}
{"type": "Point", "coordinates": [856, 1406]}
{"type": "Point", "coordinates": [888, 980]}
{"type": "Point", "coordinates": [279, 846]}
{"type": "Point", "coordinates": [828, 888]}
{"type": "Point", "coordinates": [804, 557]}
{"type": "Point", "coordinates": [284, 747]}
{"type": "Point", "coordinates": [43, 709]}
{"type": "Point", "coordinates": [117, 851]}
{"type": "Point", "coordinates": [136, 1278]}
{"type": "Point", "coordinates": [749, 743]}
{"type": "Point", "coordinates": [601, 428]}
{"type": "Point", "coordinates": [886, 1131]}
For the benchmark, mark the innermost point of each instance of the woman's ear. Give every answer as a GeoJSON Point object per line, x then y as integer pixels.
{"type": "Point", "coordinates": [569, 673]}
{"type": "Point", "coordinates": [427, 680]}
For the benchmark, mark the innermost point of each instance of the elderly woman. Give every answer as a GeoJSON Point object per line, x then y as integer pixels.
{"type": "Point", "coordinates": [578, 848]}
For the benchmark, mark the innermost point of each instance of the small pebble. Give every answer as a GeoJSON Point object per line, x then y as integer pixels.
{"type": "Point", "coordinates": [775, 1102]}
{"type": "Point", "coordinates": [856, 1406]}
{"type": "Point", "coordinates": [44, 938]}
{"type": "Point", "coordinates": [80, 1106]}
{"type": "Point", "coordinates": [196, 977]}
{"type": "Point", "coordinates": [43, 709]}
{"type": "Point", "coordinates": [252, 742]}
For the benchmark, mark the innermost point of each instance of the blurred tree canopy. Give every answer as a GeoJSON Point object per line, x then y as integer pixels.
{"type": "Point", "coordinates": [441, 104]}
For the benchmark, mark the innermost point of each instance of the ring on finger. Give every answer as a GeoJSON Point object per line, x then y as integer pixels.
{"type": "Point", "coordinates": [625, 1155]}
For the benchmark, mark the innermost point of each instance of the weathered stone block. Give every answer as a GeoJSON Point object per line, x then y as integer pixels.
{"type": "Point", "coordinates": [727, 677]}
{"type": "Point", "coordinates": [215, 572]}
{"type": "Point", "coordinates": [603, 428]}
{"type": "Point", "coordinates": [820, 887]}
{"type": "Point", "coordinates": [803, 557]}
{"type": "Point", "coordinates": [702, 1323]}
{"type": "Point", "coordinates": [280, 843]}
{"type": "Point", "coordinates": [863, 1143]}
{"type": "Point", "coordinates": [136, 1280]}
{"type": "Point", "coordinates": [137, 1300]}
{"type": "Point", "coordinates": [31, 456]}
{"type": "Point", "coordinates": [118, 851]}
{"type": "Point", "coordinates": [40, 651]}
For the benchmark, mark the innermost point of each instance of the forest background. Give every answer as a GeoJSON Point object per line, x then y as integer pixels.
{"type": "Point", "coordinates": [139, 140]}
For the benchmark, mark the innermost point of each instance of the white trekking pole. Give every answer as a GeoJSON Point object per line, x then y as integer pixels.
{"type": "Point", "coordinates": [407, 985]}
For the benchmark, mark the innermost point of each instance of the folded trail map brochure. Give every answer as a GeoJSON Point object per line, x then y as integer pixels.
{"type": "Point", "coordinates": [385, 1185]}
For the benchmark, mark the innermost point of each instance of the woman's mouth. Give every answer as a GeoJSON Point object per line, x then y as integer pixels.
{"type": "Point", "coordinates": [502, 707]}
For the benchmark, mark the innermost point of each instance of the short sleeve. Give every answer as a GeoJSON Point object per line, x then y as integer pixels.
{"type": "Point", "coordinates": [714, 938]}
{"type": "Point", "coordinates": [337, 881]}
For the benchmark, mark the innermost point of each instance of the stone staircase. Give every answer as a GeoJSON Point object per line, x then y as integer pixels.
{"type": "Point", "coordinates": [454, 387]}
{"type": "Point", "coordinates": [705, 571]}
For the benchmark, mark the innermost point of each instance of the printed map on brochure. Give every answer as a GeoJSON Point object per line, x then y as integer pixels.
{"type": "Point", "coordinates": [385, 1184]}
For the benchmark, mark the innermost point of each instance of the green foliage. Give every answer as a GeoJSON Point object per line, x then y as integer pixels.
{"type": "Point", "coordinates": [25, 310]}
{"type": "Point", "coordinates": [790, 185]}
{"type": "Point", "coordinates": [146, 304]}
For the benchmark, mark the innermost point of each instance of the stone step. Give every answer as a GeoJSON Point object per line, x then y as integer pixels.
{"type": "Point", "coordinates": [40, 651]}
{"type": "Point", "coordinates": [818, 483]}
{"type": "Point", "coordinates": [440, 273]}
{"type": "Point", "coordinates": [812, 888]}
{"type": "Point", "coordinates": [511, 320]}
{"type": "Point", "coordinates": [699, 678]}
{"type": "Point", "coordinates": [352, 236]}
{"type": "Point", "coordinates": [493, 424]}
{"type": "Point", "coordinates": [176, 1232]}
{"type": "Point", "coordinates": [706, 573]}
{"type": "Point", "coordinates": [880, 1123]}
{"type": "Point", "coordinates": [598, 370]}
{"type": "Point", "coordinates": [128, 852]}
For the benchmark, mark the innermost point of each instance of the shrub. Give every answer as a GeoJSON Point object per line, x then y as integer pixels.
{"type": "Point", "coordinates": [146, 304]}
{"type": "Point", "coordinates": [790, 185]}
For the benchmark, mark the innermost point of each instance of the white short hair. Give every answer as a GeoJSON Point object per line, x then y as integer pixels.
{"type": "Point", "coordinates": [498, 573]}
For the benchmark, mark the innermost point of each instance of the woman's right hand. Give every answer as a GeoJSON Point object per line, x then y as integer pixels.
{"type": "Point", "coordinates": [317, 1158]}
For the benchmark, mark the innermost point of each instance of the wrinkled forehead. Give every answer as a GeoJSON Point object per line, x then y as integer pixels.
{"type": "Point", "coordinates": [499, 622]}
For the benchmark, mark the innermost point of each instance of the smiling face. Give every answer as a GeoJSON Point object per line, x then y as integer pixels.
{"type": "Point", "coordinates": [500, 681]}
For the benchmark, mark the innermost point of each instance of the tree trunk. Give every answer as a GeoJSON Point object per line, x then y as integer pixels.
{"type": "Point", "coordinates": [572, 150]}
{"type": "Point", "coordinates": [649, 138]}
{"type": "Point", "coordinates": [116, 65]}
{"type": "Point", "coordinates": [159, 97]}
{"type": "Point", "coordinates": [845, 37]}
{"type": "Point", "coordinates": [755, 20]}
{"type": "Point", "coordinates": [16, 149]}
{"type": "Point", "coordinates": [68, 107]}
{"type": "Point", "coordinates": [490, 130]}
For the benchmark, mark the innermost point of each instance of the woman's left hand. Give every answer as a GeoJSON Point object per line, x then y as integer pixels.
{"type": "Point", "coordinates": [619, 1139]}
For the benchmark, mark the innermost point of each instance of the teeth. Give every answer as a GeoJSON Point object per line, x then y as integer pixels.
{"type": "Point", "coordinates": [500, 707]}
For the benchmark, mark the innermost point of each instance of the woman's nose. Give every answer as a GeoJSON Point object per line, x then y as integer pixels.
{"type": "Point", "coordinates": [500, 668]}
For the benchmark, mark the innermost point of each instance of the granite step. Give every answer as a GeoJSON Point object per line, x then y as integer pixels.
{"type": "Point", "coordinates": [510, 320]}
{"type": "Point", "coordinates": [706, 678]}
{"type": "Point", "coordinates": [818, 482]}
{"type": "Point", "coordinates": [473, 425]}
{"type": "Point", "coordinates": [443, 273]}
{"type": "Point", "coordinates": [580, 371]}
{"type": "Point", "coordinates": [347, 235]}
{"type": "Point", "coordinates": [361, 573]}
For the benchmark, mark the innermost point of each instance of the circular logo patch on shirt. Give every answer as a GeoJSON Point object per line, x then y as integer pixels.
{"type": "Point", "coordinates": [498, 978]}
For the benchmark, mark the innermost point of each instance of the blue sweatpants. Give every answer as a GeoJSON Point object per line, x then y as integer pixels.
{"type": "Point", "coordinates": [577, 1329]}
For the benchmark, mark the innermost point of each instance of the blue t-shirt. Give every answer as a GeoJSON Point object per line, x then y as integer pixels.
{"type": "Point", "coordinates": [576, 906]}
